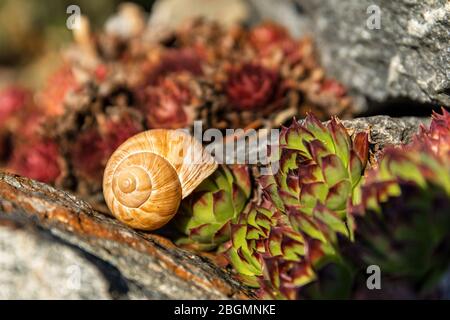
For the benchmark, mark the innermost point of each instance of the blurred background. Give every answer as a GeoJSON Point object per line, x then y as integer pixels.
{"type": "Point", "coordinates": [33, 32]}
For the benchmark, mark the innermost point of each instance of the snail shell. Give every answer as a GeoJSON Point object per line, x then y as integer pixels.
{"type": "Point", "coordinates": [149, 174]}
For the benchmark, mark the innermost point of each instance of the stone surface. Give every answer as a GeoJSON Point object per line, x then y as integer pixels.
{"type": "Point", "coordinates": [407, 57]}
{"type": "Point", "coordinates": [384, 130]}
{"type": "Point", "coordinates": [35, 265]}
{"type": "Point", "coordinates": [53, 245]}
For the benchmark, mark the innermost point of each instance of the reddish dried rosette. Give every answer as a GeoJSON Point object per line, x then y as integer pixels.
{"type": "Point", "coordinates": [267, 35]}
{"type": "Point", "coordinates": [58, 86]}
{"type": "Point", "coordinates": [327, 95]}
{"type": "Point", "coordinates": [12, 99]}
{"type": "Point", "coordinates": [184, 60]}
{"type": "Point", "coordinates": [333, 88]}
{"type": "Point", "coordinates": [269, 38]}
{"type": "Point", "coordinates": [88, 154]}
{"type": "Point", "coordinates": [168, 105]}
{"type": "Point", "coordinates": [18, 118]}
{"type": "Point", "coordinates": [39, 160]}
{"type": "Point", "coordinates": [252, 86]}
{"type": "Point", "coordinates": [93, 147]}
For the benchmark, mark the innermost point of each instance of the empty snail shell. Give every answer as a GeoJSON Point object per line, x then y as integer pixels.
{"type": "Point", "coordinates": [149, 174]}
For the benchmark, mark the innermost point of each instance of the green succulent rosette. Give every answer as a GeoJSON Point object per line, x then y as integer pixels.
{"type": "Point", "coordinates": [205, 217]}
{"type": "Point", "coordinates": [403, 219]}
{"type": "Point", "coordinates": [281, 244]}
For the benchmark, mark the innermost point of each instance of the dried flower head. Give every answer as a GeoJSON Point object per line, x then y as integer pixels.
{"type": "Point", "coordinates": [92, 148]}
{"type": "Point", "coordinates": [175, 61]}
{"type": "Point", "coordinates": [167, 105]}
{"type": "Point", "coordinates": [331, 86]}
{"type": "Point", "coordinates": [37, 160]}
{"type": "Point", "coordinates": [88, 154]}
{"type": "Point", "coordinates": [12, 99]}
{"type": "Point", "coordinates": [251, 86]}
{"type": "Point", "coordinates": [58, 85]}
{"type": "Point", "coordinates": [267, 35]}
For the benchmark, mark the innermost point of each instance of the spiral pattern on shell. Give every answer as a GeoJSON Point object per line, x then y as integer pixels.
{"type": "Point", "coordinates": [149, 174]}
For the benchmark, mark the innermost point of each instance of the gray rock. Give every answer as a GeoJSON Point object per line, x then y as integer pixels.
{"type": "Point", "coordinates": [384, 130]}
{"type": "Point", "coordinates": [53, 245]}
{"type": "Point", "coordinates": [37, 266]}
{"type": "Point", "coordinates": [407, 57]}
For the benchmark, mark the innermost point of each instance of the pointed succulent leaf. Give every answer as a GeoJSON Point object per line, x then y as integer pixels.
{"type": "Point", "coordinates": [274, 243]}
{"type": "Point", "coordinates": [242, 179]}
{"type": "Point", "coordinates": [309, 172]}
{"type": "Point", "coordinates": [361, 146]}
{"type": "Point", "coordinates": [288, 160]}
{"type": "Point", "coordinates": [223, 206]}
{"type": "Point", "coordinates": [331, 219]}
{"type": "Point", "coordinates": [239, 233]}
{"type": "Point", "coordinates": [338, 195]}
{"type": "Point", "coordinates": [303, 273]}
{"type": "Point", "coordinates": [241, 265]}
{"type": "Point", "coordinates": [356, 168]}
{"type": "Point", "coordinates": [333, 169]}
{"type": "Point", "coordinates": [313, 192]}
{"type": "Point", "coordinates": [222, 234]}
{"type": "Point", "coordinates": [204, 208]}
{"type": "Point", "coordinates": [306, 224]}
{"type": "Point", "coordinates": [316, 149]}
{"type": "Point", "coordinates": [341, 140]}
{"type": "Point", "coordinates": [295, 137]}
{"type": "Point", "coordinates": [319, 131]}
{"type": "Point", "coordinates": [204, 232]}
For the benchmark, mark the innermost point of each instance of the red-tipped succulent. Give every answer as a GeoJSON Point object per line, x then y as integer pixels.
{"type": "Point", "coordinates": [403, 218]}
{"type": "Point", "coordinates": [283, 244]}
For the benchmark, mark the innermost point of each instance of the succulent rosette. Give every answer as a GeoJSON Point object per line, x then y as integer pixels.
{"type": "Point", "coordinates": [262, 233]}
{"type": "Point", "coordinates": [403, 219]}
{"type": "Point", "coordinates": [283, 243]}
{"type": "Point", "coordinates": [205, 217]}
{"type": "Point", "coordinates": [251, 87]}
